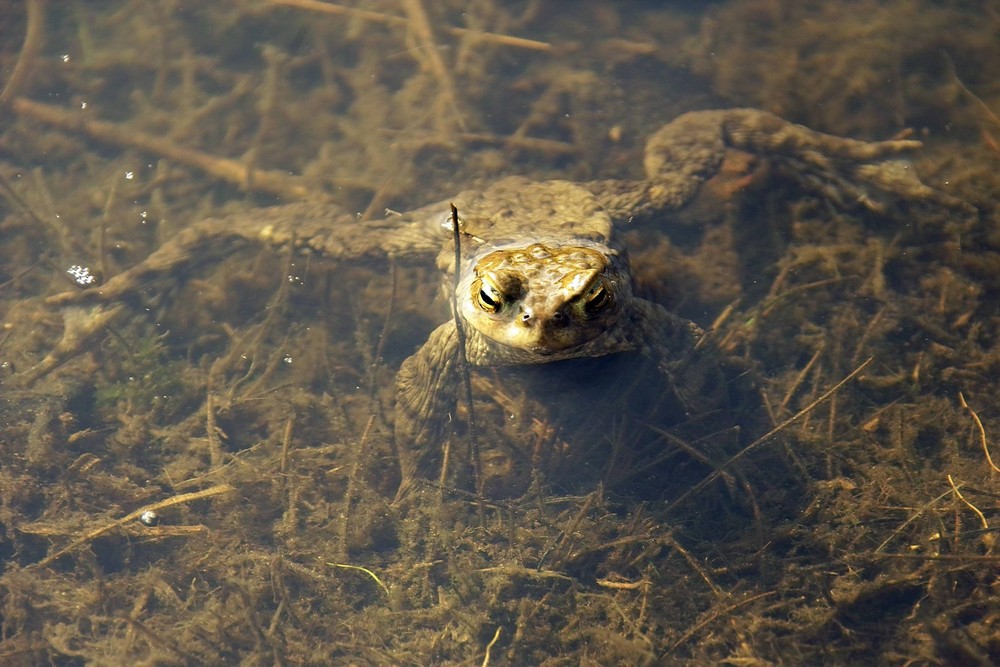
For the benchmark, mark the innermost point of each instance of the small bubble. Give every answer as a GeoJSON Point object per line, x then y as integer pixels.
{"type": "Point", "coordinates": [83, 104]}
{"type": "Point", "coordinates": [129, 175]}
{"type": "Point", "coordinates": [287, 359]}
{"type": "Point", "coordinates": [64, 57]}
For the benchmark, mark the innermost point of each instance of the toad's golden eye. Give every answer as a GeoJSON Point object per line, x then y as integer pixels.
{"type": "Point", "coordinates": [489, 297]}
{"type": "Point", "coordinates": [598, 298]}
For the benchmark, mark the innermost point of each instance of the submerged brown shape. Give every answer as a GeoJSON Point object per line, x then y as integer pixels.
{"type": "Point", "coordinates": [542, 276]}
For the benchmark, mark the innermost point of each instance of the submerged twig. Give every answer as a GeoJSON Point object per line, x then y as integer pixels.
{"type": "Point", "coordinates": [371, 574]}
{"type": "Point", "coordinates": [466, 378]}
{"type": "Point", "coordinates": [910, 519]}
{"type": "Point", "coordinates": [489, 647]}
{"type": "Point", "coordinates": [767, 436]}
{"type": "Point", "coordinates": [800, 377]}
{"type": "Point", "coordinates": [982, 432]}
{"type": "Point", "coordinates": [420, 27]}
{"type": "Point", "coordinates": [984, 109]}
{"type": "Point", "coordinates": [81, 326]}
{"type": "Point", "coordinates": [958, 494]}
{"type": "Point", "coordinates": [33, 37]}
{"type": "Point", "coordinates": [715, 615]}
{"type": "Point", "coordinates": [389, 19]}
{"type": "Point", "coordinates": [133, 516]}
{"type": "Point", "coordinates": [278, 183]}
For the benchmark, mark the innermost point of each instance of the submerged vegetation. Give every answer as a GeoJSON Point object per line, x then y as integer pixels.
{"type": "Point", "coordinates": [249, 404]}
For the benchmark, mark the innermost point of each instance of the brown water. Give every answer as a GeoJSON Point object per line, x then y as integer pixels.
{"type": "Point", "coordinates": [860, 531]}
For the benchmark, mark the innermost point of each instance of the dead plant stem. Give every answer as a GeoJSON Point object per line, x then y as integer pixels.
{"type": "Point", "coordinates": [92, 535]}
{"type": "Point", "coordinates": [389, 19]}
{"type": "Point", "coordinates": [982, 432]}
{"type": "Point", "coordinates": [958, 494]}
{"type": "Point", "coordinates": [800, 378]}
{"type": "Point", "coordinates": [33, 38]}
{"type": "Point", "coordinates": [419, 27]}
{"type": "Point", "coordinates": [697, 488]}
{"type": "Point", "coordinates": [715, 615]}
{"type": "Point", "coordinates": [278, 183]}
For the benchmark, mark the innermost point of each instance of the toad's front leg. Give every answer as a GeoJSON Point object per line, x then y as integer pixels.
{"type": "Point", "coordinates": [691, 368]}
{"type": "Point", "coordinates": [318, 228]}
{"type": "Point", "coordinates": [426, 387]}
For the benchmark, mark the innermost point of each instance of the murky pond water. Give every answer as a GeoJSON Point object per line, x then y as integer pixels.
{"type": "Point", "coordinates": [239, 382]}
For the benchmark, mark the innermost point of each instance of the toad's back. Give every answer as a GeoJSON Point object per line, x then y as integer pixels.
{"type": "Point", "coordinates": [518, 212]}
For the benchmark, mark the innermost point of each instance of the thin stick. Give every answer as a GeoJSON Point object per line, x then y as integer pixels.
{"type": "Point", "coordinates": [767, 436]}
{"type": "Point", "coordinates": [982, 432]}
{"type": "Point", "coordinates": [33, 37]}
{"type": "Point", "coordinates": [545, 146]}
{"type": "Point", "coordinates": [489, 647]}
{"type": "Point", "coordinates": [81, 326]}
{"type": "Point", "coordinates": [215, 453]}
{"type": "Point", "coordinates": [133, 516]}
{"type": "Point", "coordinates": [359, 458]}
{"type": "Point", "coordinates": [982, 106]}
{"type": "Point", "coordinates": [9, 193]}
{"type": "Point", "coordinates": [102, 248]}
{"type": "Point", "coordinates": [715, 615]}
{"type": "Point", "coordinates": [982, 519]}
{"type": "Point", "coordinates": [388, 19]}
{"type": "Point", "coordinates": [913, 517]}
{"type": "Point", "coordinates": [800, 378]}
{"type": "Point", "coordinates": [954, 558]}
{"type": "Point", "coordinates": [231, 171]}
{"type": "Point", "coordinates": [421, 27]}
{"type": "Point", "coordinates": [358, 568]}
{"type": "Point", "coordinates": [466, 380]}
{"type": "Point", "coordinates": [286, 445]}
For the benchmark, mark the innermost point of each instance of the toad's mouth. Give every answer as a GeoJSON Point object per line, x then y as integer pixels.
{"type": "Point", "coordinates": [557, 348]}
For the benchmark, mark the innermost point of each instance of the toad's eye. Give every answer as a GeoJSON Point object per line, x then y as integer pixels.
{"type": "Point", "coordinates": [495, 291]}
{"type": "Point", "coordinates": [597, 299]}
{"type": "Point", "coordinates": [489, 298]}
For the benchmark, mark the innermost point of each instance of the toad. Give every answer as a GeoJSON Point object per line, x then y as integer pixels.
{"type": "Point", "coordinates": [541, 274]}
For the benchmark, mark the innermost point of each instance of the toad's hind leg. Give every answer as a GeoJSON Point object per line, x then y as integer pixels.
{"type": "Point", "coordinates": [689, 149]}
